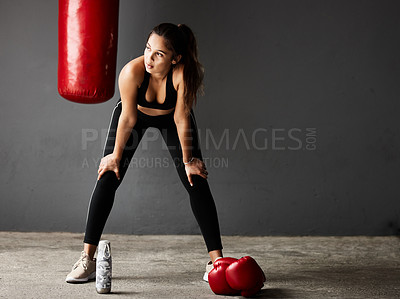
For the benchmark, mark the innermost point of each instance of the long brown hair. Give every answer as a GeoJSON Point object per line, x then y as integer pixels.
{"type": "Point", "coordinates": [181, 41]}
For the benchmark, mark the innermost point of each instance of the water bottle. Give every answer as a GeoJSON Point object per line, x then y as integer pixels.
{"type": "Point", "coordinates": [103, 267]}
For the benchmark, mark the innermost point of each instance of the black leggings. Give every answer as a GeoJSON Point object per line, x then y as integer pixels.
{"type": "Point", "coordinates": [201, 199]}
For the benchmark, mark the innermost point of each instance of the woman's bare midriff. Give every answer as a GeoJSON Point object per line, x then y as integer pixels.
{"type": "Point", "coordinates": [154, 112]}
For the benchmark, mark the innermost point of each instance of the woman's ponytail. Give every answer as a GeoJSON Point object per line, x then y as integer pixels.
{"type": "Point", "coordinates": [193, 71]}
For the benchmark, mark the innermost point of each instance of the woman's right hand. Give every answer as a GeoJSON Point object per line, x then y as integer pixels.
{"type": "Point", "coordinates": [109, 163]}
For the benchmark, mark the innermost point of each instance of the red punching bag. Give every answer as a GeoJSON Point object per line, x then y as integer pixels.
{"type": "Point", "coordinates": [87, 49]}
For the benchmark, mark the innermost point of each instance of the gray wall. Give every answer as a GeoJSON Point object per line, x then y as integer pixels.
{"type": "Point", "coordinates": [292, 74]}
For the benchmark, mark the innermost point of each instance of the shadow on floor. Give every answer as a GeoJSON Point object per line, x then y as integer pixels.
{"type": "Point", "coordinates": [124, 293]}
{"type": "Point", "coordinates": [275, 293]}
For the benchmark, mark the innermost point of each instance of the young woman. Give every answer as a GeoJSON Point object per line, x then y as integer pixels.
{"type": "Point", "coordinates": [157, 90]}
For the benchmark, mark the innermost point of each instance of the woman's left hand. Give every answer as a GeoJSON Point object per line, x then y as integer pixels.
{"type": "Point", "coordinates": [196, 167]}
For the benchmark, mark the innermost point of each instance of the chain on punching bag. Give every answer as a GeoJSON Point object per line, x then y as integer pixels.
{"type": "Point", "coordinates": [87, 49]}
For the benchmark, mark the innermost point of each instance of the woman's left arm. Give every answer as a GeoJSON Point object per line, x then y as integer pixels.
{"type": "Point", "coordinates": [182, 121]}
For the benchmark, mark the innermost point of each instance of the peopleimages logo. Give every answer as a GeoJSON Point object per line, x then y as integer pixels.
{"type": "Point", "coordinates": [259, 139]}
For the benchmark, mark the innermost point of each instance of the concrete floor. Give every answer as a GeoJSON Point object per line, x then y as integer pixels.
{"type": "Point", "coordinates": [34, 265]}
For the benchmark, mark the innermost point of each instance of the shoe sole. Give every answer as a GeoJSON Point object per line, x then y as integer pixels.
{"type": "Point", "coordinates": [205, 277]}
{"type": "Point", "coordinates": [81, 280]}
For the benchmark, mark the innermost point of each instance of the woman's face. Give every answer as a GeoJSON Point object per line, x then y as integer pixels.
{"type": "Point", "coordinates": [157, 58]}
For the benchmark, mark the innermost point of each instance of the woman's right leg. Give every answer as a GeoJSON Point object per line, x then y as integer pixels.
{"type": "Point", "coordinates": [102, 198]}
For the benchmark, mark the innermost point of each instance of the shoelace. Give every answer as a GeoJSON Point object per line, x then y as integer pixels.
{"type": "Point", "coordinates": [81, 261]}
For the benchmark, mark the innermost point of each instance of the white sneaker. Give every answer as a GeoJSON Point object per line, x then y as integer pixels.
{"type": "Point", "coordinates": [209, 267]}
{"type": "Point", "coordinates": [83, 270]}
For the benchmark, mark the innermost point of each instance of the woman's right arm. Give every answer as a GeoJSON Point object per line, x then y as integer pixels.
{"type": "Point", "coordinates": [129, 80]}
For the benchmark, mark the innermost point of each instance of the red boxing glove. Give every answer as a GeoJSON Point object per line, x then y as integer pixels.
{"type": "Point", "coordinates": [217, 277]}
{"type": "Point", "coordinates": [245, 275]}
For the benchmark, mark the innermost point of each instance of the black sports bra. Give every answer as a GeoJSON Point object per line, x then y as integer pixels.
{"type": "Point", "coordinates": [170, 94]}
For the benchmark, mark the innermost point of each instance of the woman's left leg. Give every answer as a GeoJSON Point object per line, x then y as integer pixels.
{"type": "Point", "coordinates": [201, 199]}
